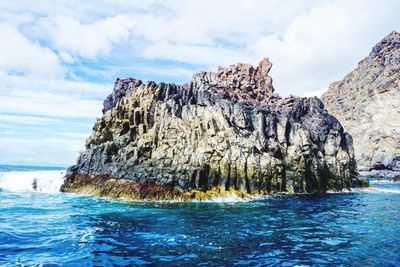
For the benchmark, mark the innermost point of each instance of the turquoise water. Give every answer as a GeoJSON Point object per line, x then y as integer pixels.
{"type": "Point", "coordinates": [55, 229]}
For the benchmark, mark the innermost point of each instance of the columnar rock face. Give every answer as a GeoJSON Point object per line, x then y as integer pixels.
{"type": "Point", "coordinates": [222, 133]}
{"type": "Point", "coordinates": [367, 103]}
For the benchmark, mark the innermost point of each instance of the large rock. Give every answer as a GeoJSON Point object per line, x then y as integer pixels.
{"type": "Point", "coordinates": [222, 133]}
{"type": "Point", "coordinates": [367, 103]}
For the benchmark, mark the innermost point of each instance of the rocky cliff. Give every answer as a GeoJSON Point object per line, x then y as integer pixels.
{"type": "Point", "coordinates": [367, 103]}
{"type": "Point", "coordinates": [223, 133]}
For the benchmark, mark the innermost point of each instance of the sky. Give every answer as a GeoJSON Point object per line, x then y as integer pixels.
{"type": "Point", "coordinates": [60, 59]}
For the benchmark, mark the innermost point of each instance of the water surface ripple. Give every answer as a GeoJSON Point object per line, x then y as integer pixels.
{"type": "Point", "coordinates": [357, 229]}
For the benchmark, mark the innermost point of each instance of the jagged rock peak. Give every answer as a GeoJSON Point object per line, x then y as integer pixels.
{"type": "Point", "coordinates": [239, 76]}
{"type": "Point", "coordinates": [123, 88]}
{"type": "Point", "coordinates": [388, 43]}
{"type": "Point", "coordinates": [239, 82]}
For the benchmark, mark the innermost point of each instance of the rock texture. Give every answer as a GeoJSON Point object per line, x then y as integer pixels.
{"type": "Point", "coordinates": [222, 133]}
{"type": "Point", "coordinates": [367, 103]}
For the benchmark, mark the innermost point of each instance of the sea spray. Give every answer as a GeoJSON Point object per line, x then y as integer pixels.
{"type": "Point", "coordinates": [30, 181]}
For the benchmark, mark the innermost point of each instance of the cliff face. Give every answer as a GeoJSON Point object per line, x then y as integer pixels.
{"type": "Point", "coordinates": [367, 103]}
{"type": "Point", "coordinates": [222, 133]}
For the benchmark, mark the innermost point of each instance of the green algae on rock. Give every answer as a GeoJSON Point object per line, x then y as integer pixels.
{"type": "Point", "coordinates": [225, 132]}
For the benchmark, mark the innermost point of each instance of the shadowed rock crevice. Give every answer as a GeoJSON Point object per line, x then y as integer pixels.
{"type": "Point", "coordinates": [225, 132]}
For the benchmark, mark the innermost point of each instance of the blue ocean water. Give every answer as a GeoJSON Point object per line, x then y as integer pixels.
{"type": "Point", "coordinates": [22, 168]}
{"type": "Point", "coordinates": [55, 229]}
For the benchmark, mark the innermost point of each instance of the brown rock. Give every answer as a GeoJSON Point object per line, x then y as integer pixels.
{"type": "Point", "coordinates": [367, 103]}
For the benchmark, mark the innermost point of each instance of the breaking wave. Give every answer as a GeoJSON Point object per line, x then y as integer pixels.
{"type": "Point", "coordinates": [32, 181]}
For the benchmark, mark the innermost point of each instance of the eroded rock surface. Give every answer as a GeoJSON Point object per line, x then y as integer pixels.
{"type": "Point", "coordinates": [367, 103]}
{"type": "Point", "coordinates": [222, 133]}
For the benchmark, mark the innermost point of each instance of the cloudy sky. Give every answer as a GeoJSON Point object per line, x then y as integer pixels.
{"type": "Point", "coordinates": [59, 59]}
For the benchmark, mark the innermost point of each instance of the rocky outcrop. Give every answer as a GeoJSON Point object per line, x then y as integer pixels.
{"type": "Point", "coordinates": [223, 133]}
{"type": "Point", "coordinates": [367, 103]}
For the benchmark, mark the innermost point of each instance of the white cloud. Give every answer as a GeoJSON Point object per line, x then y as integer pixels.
{"type": "Point", "coordinates": [51, 97]}
{"type": "Point", "coordinates": [194, 54]}
{"type": "Point", "coordinates": [326, 43]}
{"type": "Point", "coordinates": [167, 71]}
{"type": "Point", "coordinates": [46, 151]}
{"type": "Point", "coordinates": [315, 93]}
{"type": "Point", "coordinates": [15, 19]}
{"type": "Point", "coordinates": [204, 22]}
{"type": "Point", "coordinates": [28, 120]}
{"type": "Point", "coordinates": [51, 105]}
{"type": "Point", "coordinates": [19, 85]}
{"type": "Point", "coordinates": [20, 55]}
{"type": "Point", "coordinates": [77, 135]}
{"type": "Point", "coordinates": [86, 40]}
{"type": "Point", "coordinates": [67, 58]}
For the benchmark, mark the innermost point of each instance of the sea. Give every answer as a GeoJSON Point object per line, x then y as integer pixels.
{"type": "Point", "coordinates": [39, 226]}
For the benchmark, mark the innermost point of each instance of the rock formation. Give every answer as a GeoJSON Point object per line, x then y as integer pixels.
{"type": "Point", "coordinates": [367, 103]}
{"type": "Point", "coordinates": [223, 133]}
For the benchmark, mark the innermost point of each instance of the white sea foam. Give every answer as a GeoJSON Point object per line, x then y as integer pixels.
{"type": "Point", "coordinates": [383, 181]}
{"type": "Point", "coordinates": [229, 199]}
{"type": "Point", "coordinates": [391, 191]}
{"type": "Point", "coordinates": [30, 181]}
{"type": "Point", "coordinates": [375, 190]}
{"type": "Point", "coordinates": [343, 191]}
{"type": "Point", "coordinates": [233, 198]}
